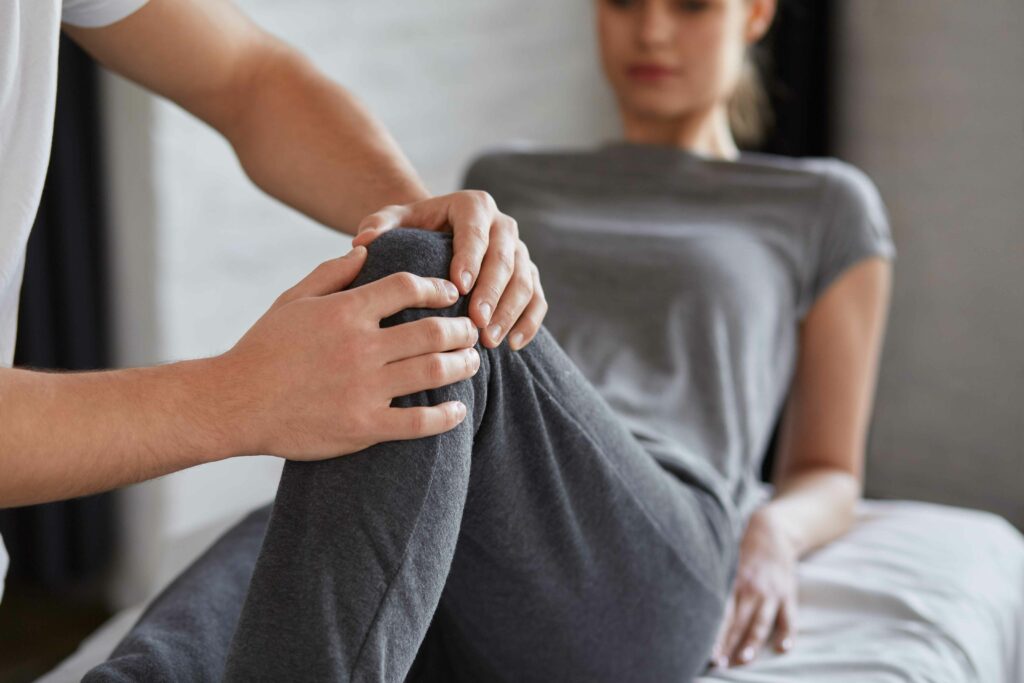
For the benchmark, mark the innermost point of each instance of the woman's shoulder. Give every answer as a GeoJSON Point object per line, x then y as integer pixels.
{"type": "Point", "coordinates": [844, 186]}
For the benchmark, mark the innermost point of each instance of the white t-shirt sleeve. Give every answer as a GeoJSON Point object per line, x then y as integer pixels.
{"type": "Point", "coordinates": [95, 13]}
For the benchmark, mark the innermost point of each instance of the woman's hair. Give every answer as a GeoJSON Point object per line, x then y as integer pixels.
{"type": "Point", "coordinates": [750, 112]}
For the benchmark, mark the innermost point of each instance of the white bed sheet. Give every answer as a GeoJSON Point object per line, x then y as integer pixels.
{"type": "Point", "coordinates": [914, 592]}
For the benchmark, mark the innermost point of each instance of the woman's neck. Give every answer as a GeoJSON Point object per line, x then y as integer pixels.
{"type": "Point", "coordinates": [705, 133]}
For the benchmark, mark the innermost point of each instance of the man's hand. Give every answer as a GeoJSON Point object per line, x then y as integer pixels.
{"type": "Point", "coordinates": [318, 372]}
{"type": "Point", "coordinates": [488, 254]}
{"type": "Point", "coordinates": [763, 602]}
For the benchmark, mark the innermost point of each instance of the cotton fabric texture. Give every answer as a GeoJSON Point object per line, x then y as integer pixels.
{"type": "Point", "coordinates": [536, 541]}
{"type": "Point", "coordinates": [677, 285]}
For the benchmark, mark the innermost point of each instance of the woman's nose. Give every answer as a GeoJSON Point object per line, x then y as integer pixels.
{"type": "Point", "coordinates": [654, 23]}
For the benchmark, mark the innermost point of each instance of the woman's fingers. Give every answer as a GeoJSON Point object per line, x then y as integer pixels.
{"type": "Point", "coordinates": [518, 294]}
{"type": "Point", "coordinates": [430, 371]}
{"type": "Point", "coordinates": [718, 656]}
{"type": "Point", "coordinates": [758, 630]}
{"type": "Point", "coordinates": [746, 607]}
{"type": "Point", "coordinates": [785, 626]}
{"type": "Point", "coordinates": [427, 335]}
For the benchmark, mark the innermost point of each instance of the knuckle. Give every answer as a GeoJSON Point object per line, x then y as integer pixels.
{"type": "Point", "coordinates": [409, 284]}
{"type": "Point", "coordinates": [417, 421]}
{"type": "Point", "coordinates": [437, 331]}
{"type": "Point", "coordinates": [484, 198]}
{"type": "Point", "coordinates": [506, 262]}
{"type": "Point", "coordinates": [437, 369]}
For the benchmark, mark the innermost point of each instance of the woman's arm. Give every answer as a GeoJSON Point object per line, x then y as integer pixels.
{"type": "Point", "coordinates": [819, 471]}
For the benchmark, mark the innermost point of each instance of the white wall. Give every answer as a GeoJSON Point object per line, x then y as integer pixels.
{"type": "Point", "coordinates": [199, 253]}
{"type": "Point", "coordinates": [932, 97]}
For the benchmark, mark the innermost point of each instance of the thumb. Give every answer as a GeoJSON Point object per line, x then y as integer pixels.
{"type": "Point", "coordinates": [376, 224]}
{"type": "Point", "coordinates": [330, 276]}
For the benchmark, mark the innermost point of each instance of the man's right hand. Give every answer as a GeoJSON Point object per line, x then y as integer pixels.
{"type": "Point", "coordinates": [315, 376]}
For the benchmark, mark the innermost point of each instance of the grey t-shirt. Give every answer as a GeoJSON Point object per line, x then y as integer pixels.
{"type": "Point", "coordinates": [677, 284]}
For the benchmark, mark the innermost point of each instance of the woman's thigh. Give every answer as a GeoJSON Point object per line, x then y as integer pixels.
{"type": "Point", "coordinates": [578, 557]}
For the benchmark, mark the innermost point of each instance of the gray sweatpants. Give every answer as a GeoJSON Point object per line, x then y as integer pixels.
{"type": "Point", "coordinates": [536, 541]}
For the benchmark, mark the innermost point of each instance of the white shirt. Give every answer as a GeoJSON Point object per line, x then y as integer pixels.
{"type": "Point", "coordinates": [29, 38]}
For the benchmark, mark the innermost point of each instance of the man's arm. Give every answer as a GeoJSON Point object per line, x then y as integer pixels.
{"type": "Point", "coordinates": [305, 140]}
{"type": "Point", "coordinates": [313, 378]}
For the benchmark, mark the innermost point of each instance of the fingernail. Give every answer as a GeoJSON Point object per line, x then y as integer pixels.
{"type": "Point", "coordinates": [494, 331]}
{"type": "Point", "coordinates": [467, 280]}
{"type": "Point", "coordinates": [515, 339]}
{"type": "Point", "coordinates": [450, 288]}
{"type": "Point", "coordinates": [485, 310]}
{"type": "Point", "coordinates": [475, 358]}
{"type": "Point", "coordinates": [787, 643]}
{"type": "Point", "coordinates": [356, 251]}
{"type": "Point", "coordinates": [460, 410]}
{"type": "Point", "coordinates": [747, 654]}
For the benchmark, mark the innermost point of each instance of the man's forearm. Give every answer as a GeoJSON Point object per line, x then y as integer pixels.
{"type": "Point", "coordinates": [70, 434]}
{"type": "Point", "coordinates": [306, 141]}
{"type": "Point", "coordinates": [813, 507]}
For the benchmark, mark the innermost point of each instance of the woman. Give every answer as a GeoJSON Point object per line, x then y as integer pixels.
{"type": "Point", "coordinates": [584, 526]}
{"type": "Point", "coordinates": [698, 288]}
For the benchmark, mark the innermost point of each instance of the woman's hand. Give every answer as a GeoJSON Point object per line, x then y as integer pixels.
{"type": "Point", "coordinates": [487, 253]}
{"type": "Point", "coordinates": [762, 606]}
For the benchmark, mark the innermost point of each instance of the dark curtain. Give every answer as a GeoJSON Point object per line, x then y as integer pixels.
{"type": "Point", "coordinates": [62, 324]}
{"type": "Point", "coordinates": [797, 69]}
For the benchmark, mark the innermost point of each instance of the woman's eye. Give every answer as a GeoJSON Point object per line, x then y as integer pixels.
{"type": "Point", "coordinates": [620, 4]}
{"type": "Point", "coordinates": [693, 6]}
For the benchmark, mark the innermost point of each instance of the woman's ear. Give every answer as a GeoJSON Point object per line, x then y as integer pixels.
{"type": "Point", "coordinates": [759, 19]}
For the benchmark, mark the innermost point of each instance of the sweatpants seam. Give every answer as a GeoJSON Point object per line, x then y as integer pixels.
{"type": "Point", "coordinates": [534, 377]}
{"type": "Point", "coordinates": [398, 572]}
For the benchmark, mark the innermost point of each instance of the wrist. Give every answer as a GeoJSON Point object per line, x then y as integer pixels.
{"type": "Point", "coordinates": [211, 399]}
{"type": "Point", "coordinates": [773, 517]}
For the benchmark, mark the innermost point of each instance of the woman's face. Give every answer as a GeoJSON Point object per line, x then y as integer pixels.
{"type": "Point", "coordinates": [668, 58]}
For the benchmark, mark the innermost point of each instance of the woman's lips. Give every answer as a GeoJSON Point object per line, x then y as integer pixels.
{"type": "Point", "coordinates": [649, 72]}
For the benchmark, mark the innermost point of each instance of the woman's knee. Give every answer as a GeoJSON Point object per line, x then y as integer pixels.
{"type": "Point", "coordinates": [421, 252]}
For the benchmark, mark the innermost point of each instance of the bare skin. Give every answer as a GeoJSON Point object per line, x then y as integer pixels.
{"type": "Point", "coordinates": [314, 377]}
{"type": "Point", "coordinates": [673, 65]}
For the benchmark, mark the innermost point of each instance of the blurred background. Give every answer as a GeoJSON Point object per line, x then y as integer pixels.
{"type": "Point", "coordinates": [152, 246]}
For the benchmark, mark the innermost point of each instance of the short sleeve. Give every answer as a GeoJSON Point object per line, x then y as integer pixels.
{"type": "Point", "coordinates": [853, 226]}
{"type": "Point", "coordinates": [96, 13]}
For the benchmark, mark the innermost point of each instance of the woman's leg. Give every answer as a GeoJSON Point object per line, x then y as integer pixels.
{"type": "Point", "coordinates": [549, 544]}
{"type": "Point", "coordinates": [186, 631]}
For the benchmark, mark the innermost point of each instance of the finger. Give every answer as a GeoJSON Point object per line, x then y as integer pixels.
{"type": "Point", "coordinates": [415, 423]}
{"type": "Point", "coordinates": [430, 371]}
{"type": "Point", "coordinates": [400, 291]}
{"type": "Point", "coordinates": [785, 626]}
{"type": "Point", "coordinates": [528, 325]}
{"type": "Point", "coordinates": [518, 294]}
{"type": "Point", "coordinates": [377, 223]}
{"type": "Point", "coordinates": [471, 221]}
{"type": "Point", "coordinates": [746, 606]}
{"type": "Point", "coordinates": [329, 277]}
{"type": "Point", "coordinates": [497, 269]}
{"type": "Point", "coordinates": [429, 335]}
{"type": "Point", "coordinates": [758, 632]}
{"type": "Point", "coordinates": [718, 657]}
